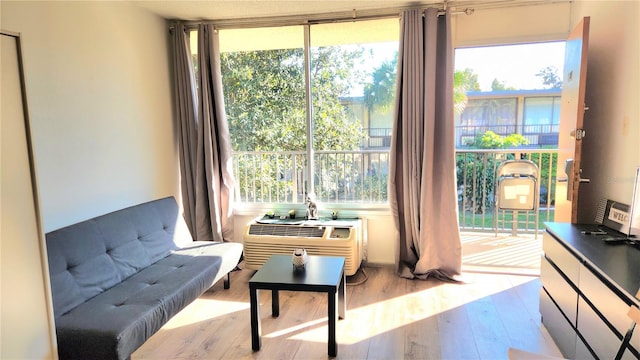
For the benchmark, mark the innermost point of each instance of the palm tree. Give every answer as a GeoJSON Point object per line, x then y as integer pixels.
{"type": "Point", "coordinates": [463, 81]}
{"type": "Point", "coordinates": [380, 92]}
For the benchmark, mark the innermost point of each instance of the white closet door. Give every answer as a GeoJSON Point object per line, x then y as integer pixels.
{"type": "Point", "coordinates": [26, 329]}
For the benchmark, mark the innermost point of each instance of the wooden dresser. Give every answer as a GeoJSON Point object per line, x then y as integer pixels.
{"type": "Point", "coordinates": [587, 288]}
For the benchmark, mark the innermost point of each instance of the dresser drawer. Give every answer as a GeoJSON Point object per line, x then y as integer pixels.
{"type": "Point", "coordinates": [559, 290]}
{"type": "Point", "coordinates": [560, 329]}
{"type": "Point", "coordinates": [568, 263]}
{"type": "Point", "coordinates": [597, 334]}
{"type": "Point", "coordinates": [608, 303]}
{"type": "Point", "coordinates": [582, 352]}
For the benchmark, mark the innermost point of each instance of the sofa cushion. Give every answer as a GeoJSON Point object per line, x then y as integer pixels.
{"type": "Point", "coordinates": [92, 256]}
{"type": "Point", "coordinates": [115, 323]}
{"type": "Point", "coordinates": [229, 252]}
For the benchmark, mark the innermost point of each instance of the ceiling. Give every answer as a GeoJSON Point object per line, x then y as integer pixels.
{"type": "Point", "coordinates": [243, 9]}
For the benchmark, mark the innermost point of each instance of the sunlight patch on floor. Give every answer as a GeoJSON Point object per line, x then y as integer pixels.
{"type": "Point", "coordinates": [297, 329]}
{"type": "Point", "coordinates": [425, 304]}
{"type": "Point", "coordinates": [207, 309]}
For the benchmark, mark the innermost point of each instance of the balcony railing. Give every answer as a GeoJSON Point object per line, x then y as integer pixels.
{"type": "Point", "coordinates": [376, 138]}
{"type": "Point", "coordinates": [536, 135]}
{"type": "Point", "coordinates": [360, 177]}
{"type": "Point", "coordinates": [476, 179]}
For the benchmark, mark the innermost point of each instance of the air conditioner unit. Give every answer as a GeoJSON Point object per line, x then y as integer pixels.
{"type": "Point", "coordinates": [330, 238]}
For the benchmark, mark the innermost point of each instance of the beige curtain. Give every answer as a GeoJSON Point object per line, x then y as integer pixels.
{"type": "Point", "coordinates": [205, 148]}
{"type": "Point", "coordinates": [185, 104]}
{"type": "Point", "coordinates": [422, 183]}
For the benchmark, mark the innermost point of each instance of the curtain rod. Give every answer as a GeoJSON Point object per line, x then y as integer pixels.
{"type": "Point", "coordinates": [467, 7]}
{"type": "Point", "coordinates": [337, 17]}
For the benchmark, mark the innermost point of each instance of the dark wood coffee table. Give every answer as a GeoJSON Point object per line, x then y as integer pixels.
{"type": "Point", "coordinates": [322, 274]}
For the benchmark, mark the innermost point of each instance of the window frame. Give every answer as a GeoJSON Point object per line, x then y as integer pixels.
{"type": "Point", "coordinates": [310, 152]}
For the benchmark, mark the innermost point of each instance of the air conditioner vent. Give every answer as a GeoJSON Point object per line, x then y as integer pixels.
{"type": "Point", "coordinates": [260, 241]}
{"type": "Point", "coordinates": [286, 231]}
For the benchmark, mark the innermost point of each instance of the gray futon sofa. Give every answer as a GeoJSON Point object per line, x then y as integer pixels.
{"type": "Point", "coordinates": [117, 278]}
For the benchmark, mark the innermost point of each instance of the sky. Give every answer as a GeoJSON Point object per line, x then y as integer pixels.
{"type": "Point", "coordinates": [515, 65]}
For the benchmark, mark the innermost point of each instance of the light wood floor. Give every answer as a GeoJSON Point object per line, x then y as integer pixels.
{"type": "Point", "coordinates": [387, 318]}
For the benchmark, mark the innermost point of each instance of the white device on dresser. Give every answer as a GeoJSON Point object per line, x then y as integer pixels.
{"type": "Point", "coordinates": [634, 212]}
{"type": "Point", "coordinates": [622, 218]}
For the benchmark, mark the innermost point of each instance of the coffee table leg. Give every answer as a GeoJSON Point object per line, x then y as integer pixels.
{"type": "Point", "coordinates": [333, 322]}
{"type": "Point", "coordinates": [275, 303]}
{"type": "Point", "coordinates": [342, 297]}
{"type": "Point", "coordinates": [256, 331]}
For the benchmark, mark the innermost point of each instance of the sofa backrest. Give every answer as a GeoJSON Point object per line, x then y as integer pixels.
{"type": "Point", "coordinates": [89, 257]}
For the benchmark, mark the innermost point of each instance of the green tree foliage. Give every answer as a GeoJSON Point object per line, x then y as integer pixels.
{"type": "Point", "coordinates": [265, 99]}
{"type": "Point", "coordinates": [550, 77]}
{"type": "Point", "coordinates": [333, 74]}
{"type": "Point", "coordinates": [266, 109]}
{"type": "Point", "coordinates": [497, 85]}
{"type": "Point", "coordinates": [463, 81]}
{"type": "Point", "coordinates": [381, 91]}
{"type": "Point", "coordinates": [491, 140]}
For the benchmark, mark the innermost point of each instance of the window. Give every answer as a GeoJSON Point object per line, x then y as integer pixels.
{"type": "Point", "coordinates": [481, 114]}
{"type": "Point", "coordinates": [331, 124]}
{"type": "Point", "coordinates": [540, 111]}
{"type": "Point", "coordinates": [542, 119]}
{"type": "Point", "coordinates": [263, 78]}
{"type": "Point", "coordinates": [509, 89]}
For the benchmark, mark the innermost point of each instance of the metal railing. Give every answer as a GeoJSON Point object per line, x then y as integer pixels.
{"type": "Point", "coordinates": [536, 135]}
{"type": "Point", "coordinates": [376, 138]}
{"type": "Point", "coordinates": [360, 177]}
{"type": "Point", "coordinates": [476, 171]}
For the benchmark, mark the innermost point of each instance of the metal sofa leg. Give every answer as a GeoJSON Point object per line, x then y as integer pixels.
{"type": "Point", "coordinates": [227, 281]}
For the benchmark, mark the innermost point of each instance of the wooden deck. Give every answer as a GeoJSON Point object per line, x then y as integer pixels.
{"type": "Point", "coordinates": [504, 253]}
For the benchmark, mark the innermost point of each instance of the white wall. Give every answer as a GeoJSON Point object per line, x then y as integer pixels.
{"type": "Point", "coordinates": [611, 148]}
{"type": "Point", "coordinates": [98, 81]}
